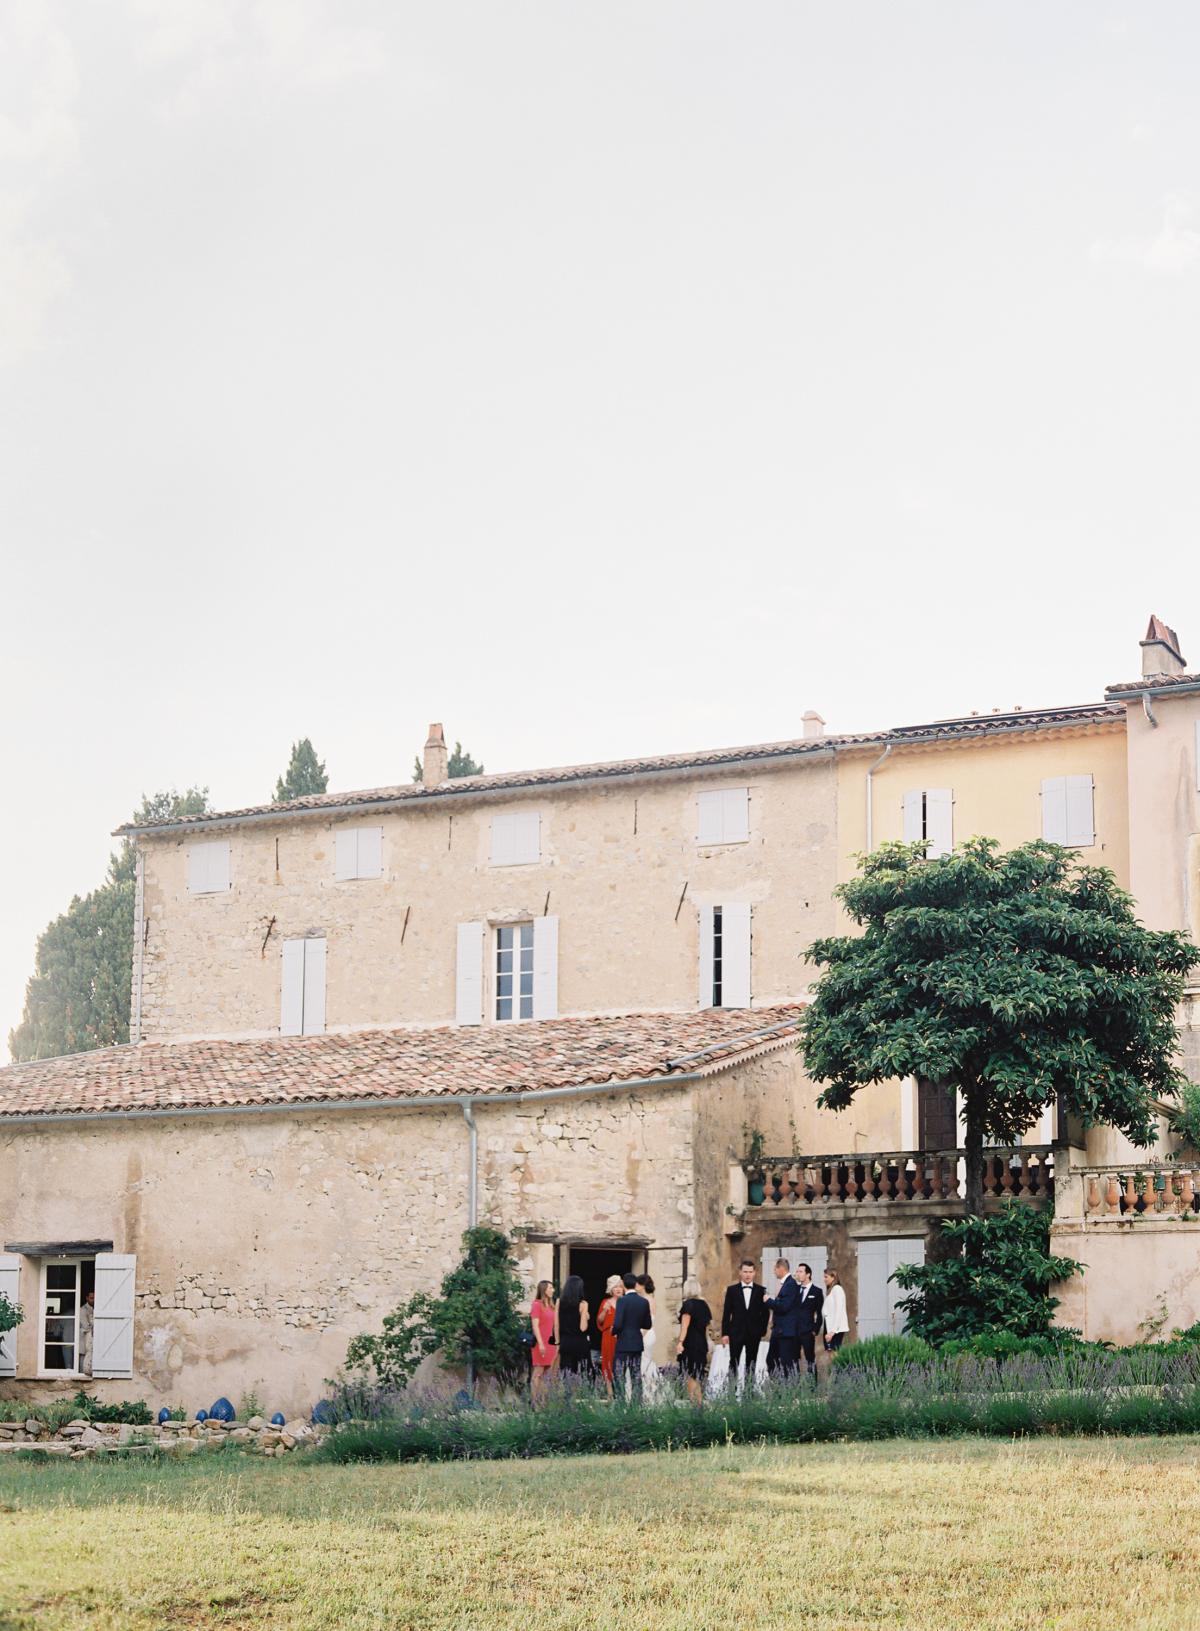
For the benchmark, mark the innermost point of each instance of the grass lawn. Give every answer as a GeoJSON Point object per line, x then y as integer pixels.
{"type": "Point", "coordinates": [968, 1535]}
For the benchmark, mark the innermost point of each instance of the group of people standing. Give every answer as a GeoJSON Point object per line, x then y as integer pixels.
{"type": "Point", "coordinates": [617, 1340]}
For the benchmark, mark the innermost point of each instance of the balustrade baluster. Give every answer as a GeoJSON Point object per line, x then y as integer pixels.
{"type": "Point", "coordinates": [1006, 1175]}
{"type": "Point", "coordinates": [937, 1178]}
{"type": "Point", "coordinates": [1131, 1195]}
{"type": "Point", "coordinates": [918, 1178]}
{"type": "Point", "coordinates": [1187, 1193]}
{"type": "Point", "coordinates": [1024, 1187]}
{"type": "Point", "coordinates": [1093, 1193]}
{"type": "Point", "coordinates": [1113, 1196]}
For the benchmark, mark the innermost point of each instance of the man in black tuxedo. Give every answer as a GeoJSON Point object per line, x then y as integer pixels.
{"type": "Point", "coordinates": [633, 1316]}
{"type": "Point", "coordinates": [744, 1319]}
{"type": "Point", "coordinates": [808, 1315]}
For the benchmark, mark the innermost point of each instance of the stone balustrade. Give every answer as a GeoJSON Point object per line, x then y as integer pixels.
{"type": "Point", "coordinates": [899, 1177]}
{"type": "Point", "coordinates": [1155, 1189]}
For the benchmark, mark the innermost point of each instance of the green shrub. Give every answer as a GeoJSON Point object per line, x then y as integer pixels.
{"type": "Point", "coordinates": [11, 1314]}
{"type": "Point", "coordinates": [883, 1353]}
{"type": "Point", "coordinates": [135, 1412]}
{"type": "Point", "coordinates": [998, 1279]}
{"type": "Point", "coordinates": [474, 1323]}
{"type": "Point", "coordinates": [1185, 1117]}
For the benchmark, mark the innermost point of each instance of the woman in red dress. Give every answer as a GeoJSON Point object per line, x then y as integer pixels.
{"type": "Point", "coordinates": [604, 1323]}
{"type": "Point", "coordinates": [541, 1318]}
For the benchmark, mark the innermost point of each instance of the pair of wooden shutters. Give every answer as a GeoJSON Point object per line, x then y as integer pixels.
{"type": "Point", "coordinates": [302, 999]}
{"type": "Point", "coordinates": [878, 1293]}
{"type": "Point", "coordinates": [929, 817]}
{"type": "Point", "coordinates": [729, 949]}
{"type": "Point", "coordinates": [469, 984]}
{"type": "Point", "coordinates": [112, 1333]}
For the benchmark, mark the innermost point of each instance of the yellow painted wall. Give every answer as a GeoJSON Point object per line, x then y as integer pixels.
{"type": "Point", "coordinates": [996, 782]}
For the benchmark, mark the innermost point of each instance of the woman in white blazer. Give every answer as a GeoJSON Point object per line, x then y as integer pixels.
{"type": "Point", "coordinates": [837, 1326]}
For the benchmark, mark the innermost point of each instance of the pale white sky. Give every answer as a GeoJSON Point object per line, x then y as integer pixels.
{"type": "Point", "coordinates": [598, 380]}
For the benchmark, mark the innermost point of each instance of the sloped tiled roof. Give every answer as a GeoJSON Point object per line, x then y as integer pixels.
{"type": "Point", "coordinates": [1152, 682]}
{"type": "Point", "coordinates": [942, 730]}
{"type": "Point", "coordinates": [439, 1063]}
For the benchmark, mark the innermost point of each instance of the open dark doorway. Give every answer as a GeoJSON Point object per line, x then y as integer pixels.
{"type": "Point", "coordinates": [594, 1264]}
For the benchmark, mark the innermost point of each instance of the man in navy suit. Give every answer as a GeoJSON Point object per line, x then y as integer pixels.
{"type": "Point", "coordinates": [633, 1316]}
{"type": "Point", "coordinates": [808, 1316]}
{"type": "Point", "coordinates": [783, 1350]}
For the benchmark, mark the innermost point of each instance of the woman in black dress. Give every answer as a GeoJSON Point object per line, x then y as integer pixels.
{"type": "Point", "coordinates": [571, 1329]}
{"type": "Point", "coordinates": [695, 1317]}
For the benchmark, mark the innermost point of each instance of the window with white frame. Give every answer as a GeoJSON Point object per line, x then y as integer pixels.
{"type": "Point", "coordinates": [358, 852]}
{"type": "Point", "coordinates": [208, 868]}
{"type": "Point", "coordinates": [929, 819]}
{"type": "Point", "coordinates": [723, 816]}
{"type": "Point", "coordinates": [302, 987]}
{"type": "Point", "coordinates": [725, 955]}
{"type": "Point", "coordinates": [1068, 811]}
{"type": "Point", "coordinates": [516, 838]}
{"type": "Point", "coordinates": [64, 1333]}
{"type": "Point", "coordinates": [514, 971]}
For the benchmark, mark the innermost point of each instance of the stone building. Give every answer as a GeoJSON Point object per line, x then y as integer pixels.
{"type": "Point", "coordinates": [564, 1001]}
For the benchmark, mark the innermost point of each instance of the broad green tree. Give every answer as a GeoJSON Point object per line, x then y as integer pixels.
{"type": "Point", "coordinates": [78, 996]}
{"type": "Point", "coordinates": [460, 763]}
{"type": "Point", "coordinates": [305, 774]}
{"type": "Point", "coordinates": [1014, 976]}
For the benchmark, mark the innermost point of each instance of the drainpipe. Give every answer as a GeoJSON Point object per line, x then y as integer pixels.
{"type": "Point", "coordinates": [1148, 710]}
{"type": "Point", "coordinates": [886, 754]}
{"type": "Point", "coordinates": [468, 1110]}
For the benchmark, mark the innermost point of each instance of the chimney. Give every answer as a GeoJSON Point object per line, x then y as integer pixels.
{"type": "Point", "coordinates": [814, 725]}
{"type": "Point", "coordinates": [436, 764]}
{"type": "Point", "coordinates": [1160, 651]}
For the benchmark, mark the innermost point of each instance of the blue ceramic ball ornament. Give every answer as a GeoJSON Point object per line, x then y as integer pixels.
{"type": "Point", "coordinates": [163, 1415]}
{"type": "Point", "coordinates": [278, 1419]}
{"type": "Point", "coordinates": [323, 1412]}
{"type": "Point", "coordinates": [202, 1415]}
{"type": "Point", "coordinates": [222, 1410]}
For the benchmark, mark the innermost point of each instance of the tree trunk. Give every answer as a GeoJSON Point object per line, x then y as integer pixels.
{"type": "Point", "coordinates": [973, 1145]}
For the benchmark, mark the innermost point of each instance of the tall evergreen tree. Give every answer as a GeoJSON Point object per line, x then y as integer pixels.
{"type": "Point", "coordinates": [78, 996]}
{"type": "Point", "coordinates": [1016, 977]}
{"type": "Point", "coordinates": [305, 774]}
{"type": "Point", "coordinates": [460, 763]}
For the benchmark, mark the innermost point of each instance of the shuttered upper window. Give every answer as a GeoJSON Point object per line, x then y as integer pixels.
{"type": "Point", "coordinates": [516, 838]}
{"type": "Point", "coordinates": [358, 852]}
{"type": "Point", "coordinates": [1068, 811]}
{"type": "Point", "coordinates": [725, 955]}
{"type": "Point", "coordinates": [302, 996]}
{"type": "Point", "coordinates": [208, 868]}
{"type": "Point", "coordinates": [929, 819]}
{"type": "Point", "coordinates": [723, 816]}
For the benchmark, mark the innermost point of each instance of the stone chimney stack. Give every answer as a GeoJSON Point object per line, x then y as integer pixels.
{"type": "Point", "coordinates": [1160, 651]}
{"type": "Point", "coordinates": [436, 764]}
{"type": "Point", "coordinates": [814, 725]}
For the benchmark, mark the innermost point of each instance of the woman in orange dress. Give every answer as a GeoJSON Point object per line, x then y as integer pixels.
{"type": "Point", "coordinates": [604, 1322]}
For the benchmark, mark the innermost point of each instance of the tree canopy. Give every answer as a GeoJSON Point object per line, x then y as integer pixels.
{"type": "Point", "coordinates": [460, 764]}
{"type": "Point", "coordinates": [305, 774]}
{"type": "Point", "coordinates": [78, 995]}
{"type": "Point", "coordinates": [1014, 976]}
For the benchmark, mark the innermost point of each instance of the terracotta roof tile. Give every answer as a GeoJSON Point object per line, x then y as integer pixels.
{"type": "Point", "coordinates": [462, 787]}
{"type": "Point", "coordinates": [1152, 682]}
{"type": "Point", "coordinates": [440, 1062]}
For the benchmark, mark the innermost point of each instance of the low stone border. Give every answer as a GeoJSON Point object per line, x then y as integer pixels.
{"type": "Point", "coordinates": [80, 1438]}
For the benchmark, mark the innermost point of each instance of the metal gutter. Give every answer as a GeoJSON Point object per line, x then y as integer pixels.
{"type": "Point", "coordinates": [1188, 688]}
{"type": "Point", "coordinates": [886, 754]}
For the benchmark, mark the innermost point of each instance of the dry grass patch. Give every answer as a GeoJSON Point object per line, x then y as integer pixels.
{"type": "Point", "coordinates": [971, 1534]}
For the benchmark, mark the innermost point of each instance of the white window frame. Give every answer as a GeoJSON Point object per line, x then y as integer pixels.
{"type": "Point", "coordinates": [45, 1263]}
{"type": "Point", "coordinates": [518, 951]}
{"type": "Point", "coordinates": [927, 835]}
{"type": "Point", "coordinates": [722, 816]}
{"type": "Point", "coordinates": [357, 853]}
{"type": "Point", "coordinates": [209, 867]}
{"type": "Point", "coordinates": [516, 838]}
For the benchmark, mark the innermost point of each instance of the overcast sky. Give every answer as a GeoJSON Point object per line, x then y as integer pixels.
{"type": "Point", "coordinates": [598, 380]}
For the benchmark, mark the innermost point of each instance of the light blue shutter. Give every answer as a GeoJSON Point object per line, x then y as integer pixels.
{"type": "Point", "coordinates": [1054, 809]}
{"type": "Point", "coordinates": [314, 986]}
{"type": "Point", "coordinates": [112, 1334]}
{"type": "Point", "coordinates": [545, 968]}
{"type": "Point", "coordinates": [468, 976]}
{"type": "Point", "coordinates": [706, 957]}
{"type": "Point", "coordinates": [710, 818]}
{"type": "Point", "coordinates": [370, 852]}
{"type": "Point", "coordinates": [291, 1004]}
{"type": "Point", "coordinates": [1080, 814]}
{"type": "Point", "coordinates": [345, 850]}
{"type": "Point", "coordinates": [735, 954]}
{"type": "Point", "coordinates": [735, 815]}
{"type": "Point", "coordinates": [910, 1250]}
{"type": "Point", "coordinates": [10, 1286]}
{"type": "Point", "coordinates": [939, 821]}
{"type": "Point", "coordinates": [914, 817]}
{"type": "Point", "coordinates": [874, 1303]}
